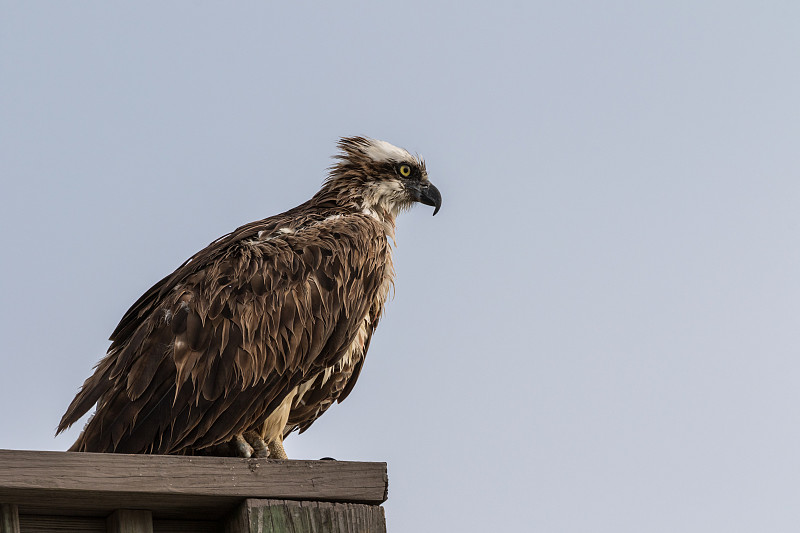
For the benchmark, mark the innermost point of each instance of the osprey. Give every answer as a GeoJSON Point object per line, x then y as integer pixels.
{"type": "Point", "coordinates": [256, 335]}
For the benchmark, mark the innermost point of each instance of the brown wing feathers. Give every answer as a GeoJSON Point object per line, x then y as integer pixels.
{"type": "Point", "coordinates": [213, 348]}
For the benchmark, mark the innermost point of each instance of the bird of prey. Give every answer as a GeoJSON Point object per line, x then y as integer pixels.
{"type": "Point", "coordinates": [256, 335]}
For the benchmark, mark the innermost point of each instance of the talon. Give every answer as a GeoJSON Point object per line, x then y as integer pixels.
{"type": "Point", "coordinates": [259, 446]}
{"type": "Point", "coordinates": [242, 447]}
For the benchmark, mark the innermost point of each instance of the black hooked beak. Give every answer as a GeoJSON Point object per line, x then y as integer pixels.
{"type": "Point", "coordinates": [426, 193]}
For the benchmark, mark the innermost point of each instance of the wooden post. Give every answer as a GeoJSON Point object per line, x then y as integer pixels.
{"type": "Point", "coordinates": [129, 521]}
{"type": "Point", "coordinates": [287, 516]}
{"type": "Point", "coordinates": [44, 492]}
{"type": "Point", "coordinates": [9, 518]}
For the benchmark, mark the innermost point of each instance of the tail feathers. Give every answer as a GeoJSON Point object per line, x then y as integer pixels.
{"type": "Point", "coordinates": [91, 391]}
{"type": "Point", "coordinates": [80, 444]}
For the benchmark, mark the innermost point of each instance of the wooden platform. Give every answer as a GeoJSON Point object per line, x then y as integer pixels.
{"type": "Point", "coordinates": [62, 491]}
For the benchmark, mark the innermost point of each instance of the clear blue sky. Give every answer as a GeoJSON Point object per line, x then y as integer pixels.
{"type": "Point", "coordinates": [598, 332]}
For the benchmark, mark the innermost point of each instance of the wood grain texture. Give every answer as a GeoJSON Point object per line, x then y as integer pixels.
{"type": "Point", "coordinates": [285, 516]}
{"type": "Point", "coordinates": [9, 518]}
{"type": "Point", "coordinates": [175, 487]}
{"type": "Point", "coordinates": [238, 521]}
{"type": "Point", "coordinates": [129, 521]}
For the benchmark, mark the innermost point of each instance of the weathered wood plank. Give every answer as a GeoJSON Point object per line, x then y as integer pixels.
{"type": "Point", "coordinates": [175, 486]}
{"type": "Point", "coordinates": [129, 521]}
{"type": "Point", "coordinates": [9, 518]}
{"type": "Point", "coordinates": [284, 516]}
{"type": "Point", "coordinates": [238, 521]}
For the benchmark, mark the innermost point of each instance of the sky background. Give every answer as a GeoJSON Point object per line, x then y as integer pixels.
{"type": "Point", "coordinates": [597, 333]}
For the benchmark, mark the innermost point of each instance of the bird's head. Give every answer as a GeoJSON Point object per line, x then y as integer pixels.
{"type": "Point", "coordinates": [382, 178]}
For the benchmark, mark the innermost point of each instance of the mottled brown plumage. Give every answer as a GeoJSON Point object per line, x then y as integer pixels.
{"type": "Point", "coordinates": [260, 332]}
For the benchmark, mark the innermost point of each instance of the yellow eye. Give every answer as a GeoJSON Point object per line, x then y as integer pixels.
{"type": "Point", "coordinates": [405, 171]}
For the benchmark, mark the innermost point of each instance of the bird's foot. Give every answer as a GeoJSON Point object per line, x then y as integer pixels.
{"type": "Point", "coordinates": [260, 449]}
{"type": "Point", "coordinates": [243, 449]}
{"type": "Point", "coordinates": [276, 450]}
